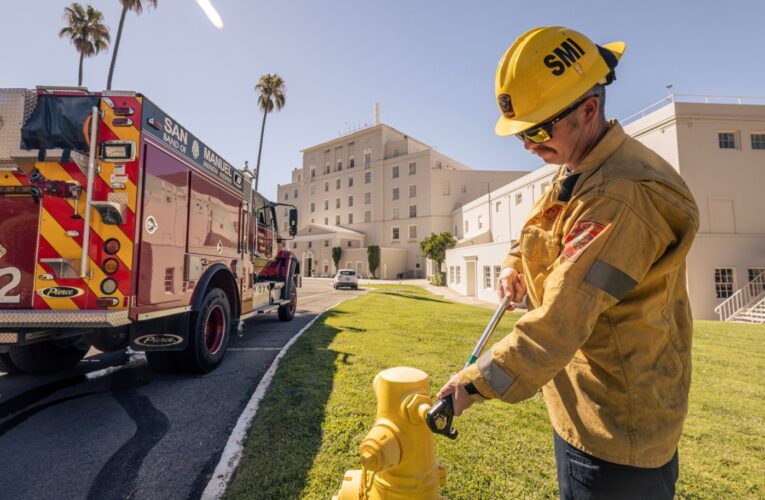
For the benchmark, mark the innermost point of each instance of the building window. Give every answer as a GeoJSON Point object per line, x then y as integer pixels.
{"type": "Point", "coordinates": [350, 182]}
{"type": "Point", "coordinates": [395, 194]}
{"type": "Point", "coordinates": [395, 172]}
{"type": "Point", "coordinates": [313, 172]}
{"type": "Point", "coordinates": [286, 195]}
{"type": "Point", "coordinates": [451, 274]}
{"type": "Point", "coordinates": [412, 210]}
{"type": "Point", "coordinates": [326, 267]}
{"type": "Point", "coordinates": [395, 213]}
{"type": "Point", "coordinates": [446, 188]}
{"type": "Point", "coordinates": [367, 198]}
{"type": "Point", "coordinates": [412, 190]}
{"type": "Point", "coordinates": [350, 218]}
{"type": "Point", "coordinates": [497, 205]}
{"type": "Point", "coordinates": [395, 152]}
{"type": "Point", "coordinates": [463, 188]}
{"type": "Point", "coordinates": [367, 158]}
{"type": "Point", "coordinates": [367, 216]}
{"type": "Point", "coordinates": [467, 227]}
{"type": "Point", "coordinates": [327, 168]}
{"type": "Point", "coordinates": [486, 277]}
{"type": "Point", "coordinates": [337, 220]}
{"type": "Point", "coordinates": [350, 201]}
{"type": "Point", "coordinates": [313, 207]}
{"type": "Point", "coordinates": [727, 140]}
{"type": "Point", "coordinates": [351, 163]}
{"type": "Point", "coordinates": [337, 202]}
{"type": "Point", "coordinates": [756, 277]}
{"type": "Point", "coordinates": [480, 222]}
{"type": "Point", "coordinates": [497, 270]}
{"type": "Point", "coordinates": [457, 270]}
{"type": "Point", "coordinates": [413, 232]}
{"type": "Point", "coordinates": [412, 168]}
{"type": "Point", "coordinates": [310, 244]}
{"type": "Point", "coordinates": [394, 233]}
{"type": "Point", "coordinates": [326, 243]}
{"type": "Point", "coordinates": [326, 204]}
{"type": "Point", "coordinates": [724, 282]}
{"type": "Point", "coordinates": [339, 165]}
{"type": "Point", "coordinates": [337, 183]}
{"type": "Point", "coordinates": [326, 187]}
{"type": "Point", "coordinates": [518, 198]}
{"type": "Point", "coordinates": [294, 245]}
{"type": "Point", "coordinates": [758, 141]}
{"type": "Point", "coordinates": [367, 177]}
{"type": "Point", "coordinates": [313, 189]}
{"type": "Point", "coordinates": [294, 194]}
{"type": "Point", "coordinates": [326, 221]}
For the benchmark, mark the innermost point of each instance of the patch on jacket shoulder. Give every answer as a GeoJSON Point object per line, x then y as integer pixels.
{"type": "Point", "coordinates": [579, 238]}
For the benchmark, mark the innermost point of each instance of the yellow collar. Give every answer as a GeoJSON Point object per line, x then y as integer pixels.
{"type": "Point", "coordinates": [603, 149]}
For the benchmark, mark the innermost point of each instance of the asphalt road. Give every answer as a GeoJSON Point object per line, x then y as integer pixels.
{"type": "Point", "coordinates": [133, 433]}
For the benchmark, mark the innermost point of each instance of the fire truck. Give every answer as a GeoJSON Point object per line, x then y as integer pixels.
{"type": "Point", "coordinates": [119, 227]}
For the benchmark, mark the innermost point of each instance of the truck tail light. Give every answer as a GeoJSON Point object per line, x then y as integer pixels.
{"type": "Point", "coordinates": [111, 246]}
{"type": "Point", "coordinates": [109, 286]}
{"type": "Point", "coordinates": [110, 266]}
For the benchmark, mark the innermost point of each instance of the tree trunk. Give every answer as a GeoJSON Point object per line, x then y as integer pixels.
{"type": "Point", "coordinates": [79, 75]}
{"type": "Point", "coordinates": [116, 48]}
{"type": "Point", "coordinates": [260, 149]}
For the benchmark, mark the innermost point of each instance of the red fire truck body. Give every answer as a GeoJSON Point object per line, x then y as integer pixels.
{"type": "Point", "coordinates": [119, 227]}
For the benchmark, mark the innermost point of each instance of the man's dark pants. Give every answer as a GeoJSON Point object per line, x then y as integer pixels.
{"type": "Point", "coordinates": [582, 476]}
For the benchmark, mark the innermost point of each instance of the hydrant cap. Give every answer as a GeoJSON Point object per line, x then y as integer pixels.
{"type": "Point", "coordinates": [403, 375]}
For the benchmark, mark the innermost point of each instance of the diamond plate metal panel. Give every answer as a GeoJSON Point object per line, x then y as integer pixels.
{"type": "Point", "coordinates": [63, 319]}
{"type": "Point", "coordinates": [9, 338]}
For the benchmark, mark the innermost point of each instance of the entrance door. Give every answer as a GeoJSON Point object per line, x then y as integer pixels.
{"type": "Point", "coordinates": [309, 267]}
{"type": "Point", "coordinates": [470, 278]}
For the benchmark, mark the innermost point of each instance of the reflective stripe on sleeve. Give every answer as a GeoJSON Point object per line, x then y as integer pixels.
{"type": "Point", "coordinates": [496, 376]}
{"type": "Point", "coordinates": [610, 279]}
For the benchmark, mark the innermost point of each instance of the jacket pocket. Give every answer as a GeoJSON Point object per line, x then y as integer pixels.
{"type": "Point", "coordinates": [540, 246]}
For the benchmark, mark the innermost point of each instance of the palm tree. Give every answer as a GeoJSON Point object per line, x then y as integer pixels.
{"type": "Point", "coordinates": [85, 31]}
{"type": "Point", "coordinates": [271, 93]}
{"type": "Point", "coordinates": [137, 7]}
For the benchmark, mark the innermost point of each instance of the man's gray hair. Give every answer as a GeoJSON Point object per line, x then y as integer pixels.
{"type": "Point", "coordinates": [599, 91]}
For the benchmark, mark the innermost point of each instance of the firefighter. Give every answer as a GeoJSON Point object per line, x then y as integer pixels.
{"type": "Point", "coordinates": [601, 263]}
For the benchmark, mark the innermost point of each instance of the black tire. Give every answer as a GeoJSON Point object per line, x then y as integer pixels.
{"type": "Point", "coordinates": [6, 365]}
{"type": "Point", "coordinates": [48, 357]}
{"type": "Point", "coordinates": [287, 312]}
{"type": "Point", "coordinates": [208, 336]}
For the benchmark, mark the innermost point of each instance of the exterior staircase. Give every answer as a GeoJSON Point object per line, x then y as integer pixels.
{"type": "Point", "coordinates": [747, 305]}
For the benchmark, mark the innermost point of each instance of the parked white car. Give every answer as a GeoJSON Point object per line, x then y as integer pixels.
{"type": "Point", "coordinates": [346, 278]}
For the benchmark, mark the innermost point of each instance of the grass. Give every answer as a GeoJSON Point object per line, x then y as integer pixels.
{"type": "Point", "coordinates": [321, 405]}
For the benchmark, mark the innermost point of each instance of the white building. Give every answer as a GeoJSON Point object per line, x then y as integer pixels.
{"type": "Point", "coordinates": [719, 149]}
{"type": "Point", "coordinates": [377, 186]}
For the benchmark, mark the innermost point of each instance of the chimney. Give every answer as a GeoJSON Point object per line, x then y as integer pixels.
{"type": "Point", "coordinates": [377, 113]}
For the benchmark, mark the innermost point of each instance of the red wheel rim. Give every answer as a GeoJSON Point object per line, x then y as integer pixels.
{"type": "Point", "coordinates": [214, 328]}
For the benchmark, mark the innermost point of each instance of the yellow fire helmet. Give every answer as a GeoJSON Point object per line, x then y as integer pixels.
{"type": "Point", "coordinates": [547, 69]}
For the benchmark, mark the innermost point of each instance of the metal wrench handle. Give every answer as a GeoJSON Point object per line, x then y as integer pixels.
{"type": "Point", "coordinates": [487, 333]}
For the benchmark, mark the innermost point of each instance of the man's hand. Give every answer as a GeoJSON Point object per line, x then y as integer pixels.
{"type": "Point", "coordinates": [513, 285]}
{"type": "Point", "coordinates": [460, 398]}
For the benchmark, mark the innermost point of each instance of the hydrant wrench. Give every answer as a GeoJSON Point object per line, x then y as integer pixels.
{"type": "Point", "coordinates": [440, 418]}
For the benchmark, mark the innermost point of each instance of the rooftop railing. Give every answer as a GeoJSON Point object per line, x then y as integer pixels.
{"type": "Point", "coordinates": [700, 98]}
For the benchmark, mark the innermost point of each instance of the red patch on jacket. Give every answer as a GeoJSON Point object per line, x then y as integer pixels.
{"type": "Point", "coordinates": [579, 238]}
{"type": "Point", "coordinates": [553, 212]}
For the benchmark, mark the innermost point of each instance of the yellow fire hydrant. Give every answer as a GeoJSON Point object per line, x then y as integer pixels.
{"type": "Point", "coordinates": [398, 458]}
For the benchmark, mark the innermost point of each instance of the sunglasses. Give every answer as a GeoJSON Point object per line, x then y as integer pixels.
{"type": "Point", "coordinates": [543, 132]}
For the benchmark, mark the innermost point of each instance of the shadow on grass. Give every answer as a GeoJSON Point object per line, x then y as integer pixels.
{"type": "Point", "coordinates": [409, 295]}
{"type": "Point", "coordinates": [287, 433]}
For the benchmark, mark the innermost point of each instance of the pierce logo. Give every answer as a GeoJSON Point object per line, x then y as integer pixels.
{"type": "Point", "coordinates": [563, 56]}
{"type": "Point", "coordinates": [158, 340]}
{"type": "Point", "coordinates": [61, 292]}
{"type": "Point", "coordinates": [506, 105]}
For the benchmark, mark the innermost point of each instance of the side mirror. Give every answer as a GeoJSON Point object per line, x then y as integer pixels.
{"type": "Point", "coordinates": [293, 218]}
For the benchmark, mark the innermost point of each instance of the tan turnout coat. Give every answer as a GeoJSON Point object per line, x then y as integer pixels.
{"type": "Point", "coordinates": [608, 332]}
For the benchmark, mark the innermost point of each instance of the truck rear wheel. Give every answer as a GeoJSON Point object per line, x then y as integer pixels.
{"type": "Point", "coordinates": [209, 334]}
{"type": "Point", "coordinates": [47, 357]}
{"type": "Point", "coordinates": [287, 311]}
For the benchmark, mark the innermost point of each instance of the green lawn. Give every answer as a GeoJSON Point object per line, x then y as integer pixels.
{"type": "Point", "coordinates": [321, 405]}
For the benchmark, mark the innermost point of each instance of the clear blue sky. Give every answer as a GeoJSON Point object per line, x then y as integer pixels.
{"type": "Point", "coordinates": [429, 63]}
